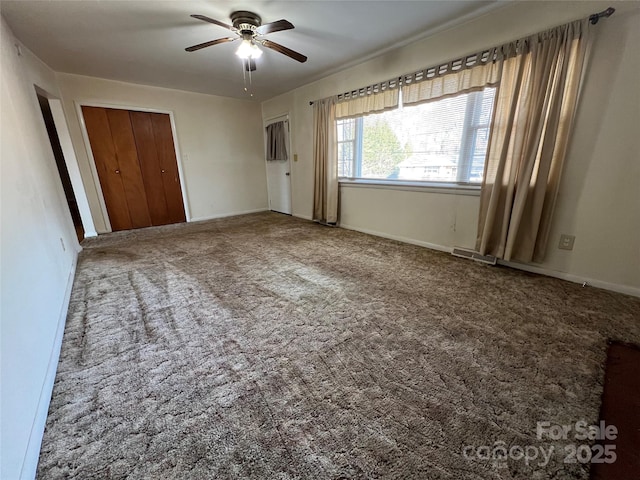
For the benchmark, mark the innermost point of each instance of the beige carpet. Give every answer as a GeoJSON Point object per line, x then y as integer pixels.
{"type": "Point", "coordinates": [268, 347]}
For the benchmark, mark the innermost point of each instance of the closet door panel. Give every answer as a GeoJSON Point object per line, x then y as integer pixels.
{"type": "Point", "coordinates": [150, 167]}
{"type": "Point", "coordinates": [169, 166]}
{"type": "Point", "coordinates": [104, 154]}
{"type": "Point", "coordinates": [125, 146]}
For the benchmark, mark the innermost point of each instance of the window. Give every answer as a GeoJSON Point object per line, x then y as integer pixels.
{"type": "Point", "coordinates": [440, 141]}
{"type": "Point", "coordinates": [349, 147]}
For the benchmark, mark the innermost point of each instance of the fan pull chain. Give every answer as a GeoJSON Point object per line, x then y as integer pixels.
{"type": "Point", "coordinates": [247, 67]}
{"type": "Point", "coordinates": [244, 75]}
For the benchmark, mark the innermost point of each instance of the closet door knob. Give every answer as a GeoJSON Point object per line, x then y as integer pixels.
{"type": "Point", "coordinates": [162, 171]}
{"type": "Point", "coordinates": [118, 172]}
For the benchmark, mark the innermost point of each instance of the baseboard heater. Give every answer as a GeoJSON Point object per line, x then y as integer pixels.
{"type": "Point", "coordinates": [470, 254]}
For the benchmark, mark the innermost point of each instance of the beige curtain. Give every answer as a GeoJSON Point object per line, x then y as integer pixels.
{"type": "Point", "coordinates": [325, 162]}
{"type": "Point", "coordinates": [533, 115]}
{"type": "Point", "coordinates": [474, 78]}
{"type": "Point", "coordinates": [277, 141]}
{"type": "Point", "coordinates": [357, 106]}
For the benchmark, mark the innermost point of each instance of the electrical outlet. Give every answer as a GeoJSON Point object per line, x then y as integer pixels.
{"type": "Point", "coordinates": [566, 242]}
{"type": "Point", "coordinates": [295, 157]}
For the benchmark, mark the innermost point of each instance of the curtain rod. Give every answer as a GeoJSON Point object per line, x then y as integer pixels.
{"type": "Point", "coordinates": [593, 19]}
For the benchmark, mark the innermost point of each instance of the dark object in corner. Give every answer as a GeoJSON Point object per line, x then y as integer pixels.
{"type": "Point", "coordinates": [621, 407]}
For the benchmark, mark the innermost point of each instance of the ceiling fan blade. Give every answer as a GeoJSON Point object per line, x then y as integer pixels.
{"type": "Point", "coordinates": [249, 65]}
{"type": "Point", "coordinates": [193, 48]}
{"type": "Point", "coordinates": [215, 22]}
{"type": "Point", "coordinates": [274, 27]}
{"type": "Point", "coordinates": [284, 50]}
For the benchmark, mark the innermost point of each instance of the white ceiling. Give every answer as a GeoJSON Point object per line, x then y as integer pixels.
{"type": "Point", "coordinates": [144, 41]}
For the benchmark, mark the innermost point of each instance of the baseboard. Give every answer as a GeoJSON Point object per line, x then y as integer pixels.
{"type": "Point", "coordinates": [304, 217]}
{"type": "Point", "coordinates": [614, 287]}
{"type": "Point", "coordinates": [90, 234]}
{"type": "Point", "coordinates": [399, 238]}
{"type": "Point", "coordinates": [591, 282]}
{"type": "Point", "coordinates": [32, 455]}
{"type": "Point", "coordinates": [224, 215]}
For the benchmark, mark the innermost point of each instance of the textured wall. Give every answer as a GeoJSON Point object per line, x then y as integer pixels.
{"type": "Point", "coordinates": [38, 255]}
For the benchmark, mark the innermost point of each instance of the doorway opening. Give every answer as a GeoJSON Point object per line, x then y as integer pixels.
{"type": "Point", "coordinates": [61, 164]}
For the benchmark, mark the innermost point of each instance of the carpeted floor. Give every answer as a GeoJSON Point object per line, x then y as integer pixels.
{"type": "Point", "coordinates": [268, 347]}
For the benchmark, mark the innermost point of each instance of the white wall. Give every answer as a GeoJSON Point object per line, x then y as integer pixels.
{"type": "Point", "coordinates": [599, 197]}
{"type": "Point", "coordinates": [220, 141]}
{"type": "Point", "coordinates": [38, 255]}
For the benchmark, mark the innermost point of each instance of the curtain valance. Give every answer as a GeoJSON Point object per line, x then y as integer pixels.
{"type": "Point", "coordinates": [418, 89]}
{"type": "Point", "coordinates": [374, 98]}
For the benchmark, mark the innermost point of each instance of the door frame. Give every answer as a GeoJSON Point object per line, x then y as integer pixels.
{"type": "Point", "coordinates": [70, 159]}
{"type": "Point", "coordinates": [268, 121]}
{"type": "Point", "coordinates": [92, 162]}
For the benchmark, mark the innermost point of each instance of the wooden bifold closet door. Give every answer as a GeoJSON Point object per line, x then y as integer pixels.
{"type": "Point", "coordinates": [136, 163]}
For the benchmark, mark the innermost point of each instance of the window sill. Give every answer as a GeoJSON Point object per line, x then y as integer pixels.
{"type": "Point", "coordinates": [427, 187]}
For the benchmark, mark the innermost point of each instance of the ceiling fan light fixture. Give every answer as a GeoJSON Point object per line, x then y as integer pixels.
{"type": "Point", "coordinates": [248, 49]}
{"type": "Point", "coordinates": [256, 52]}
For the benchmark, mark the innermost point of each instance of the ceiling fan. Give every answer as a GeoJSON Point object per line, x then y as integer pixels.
{"type": "Point", "coordinates": [248, 27]}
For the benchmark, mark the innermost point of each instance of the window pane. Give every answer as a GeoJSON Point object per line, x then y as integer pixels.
{"type": "Point", "coordinates": [346, 132]}
{"type": "Point", "coordinates": [382, 150]}
{"type": "Point", "coordinates": [435, 132]}
{"type": "Point", "coordinates": [488, 96]}
{"type": "Point", "coordinates": [345, 159]}
{"type": "Point", "coordinates": [346, 129]}
{"type": "Point", "coordinates": [479, 154]}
